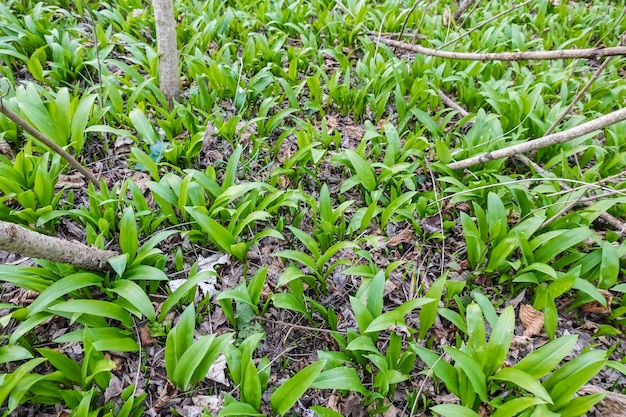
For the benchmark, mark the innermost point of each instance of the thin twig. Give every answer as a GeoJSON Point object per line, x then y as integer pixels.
{"type": "Point", "coordinates": [617, 224]}
{"type": "Point", "coordinates": [578, 96]}
{"type": "Point", "coordinates": [553, 139]}
{"type": "Point", "coordinates": [15, 118]}
{"type": "Point", "coordinates": [592, 53]}
{"type": "Point", "coordinates": [452, 104]}
{"type": "Point", "coordinates": [499, 15]}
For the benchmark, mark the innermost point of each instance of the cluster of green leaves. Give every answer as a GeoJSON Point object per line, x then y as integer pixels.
{"type": "Point", "coordinates": [278, 77]}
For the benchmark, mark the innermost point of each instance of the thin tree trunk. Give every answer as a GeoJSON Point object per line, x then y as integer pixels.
{"type": "Point", "coordinates": [169, 74]}
{"type": "Point", "coordinates": [24, 242]}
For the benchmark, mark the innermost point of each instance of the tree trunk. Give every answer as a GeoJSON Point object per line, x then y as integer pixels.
{"type": "Point", "coordinates": [169, 74]}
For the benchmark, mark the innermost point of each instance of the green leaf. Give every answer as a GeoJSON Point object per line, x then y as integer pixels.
{"type": "Point", "coordinates": [340, 378]}
{"type": "Point", "coordinates": [291, 390]}
{"type": "Point", "coordinates": [143, 126]}
{"type": "Point", "coordinates": [363, 170]}
{"type": "Point", "coordinates": [128, 234]}
{"type": "Point", "coordinates": [62, 288]}
{"type": "Point", "coordinates": [545, 359]}
{"type": "Point", "coordinates": [239, 409]}
{"type": "Point", "coordinates": [325, 411]}
{"type": "Point", "coordinates": [471, 369]}
{"type": "Point", "coordinates": [516, 406]}
{"type": "Point", "coordinates": [136, 297]}
{"type": "Point", "coordinates": [609, 269]}
{"type": "Point", "coordinates": [454, 410]}
{"type": "Point", "coordinates": [396, 316]}
{"type": "Point", "coordinates": [11, 353]}
{"type": "Point", "coordinates": [196, 361]}
{"type": "Point", "coordinates": [525, 381]}
{"type": "Point", "coordinates": [251, 386]}
{"type": "Point", "coordinates": [14, 377]}
{"type": "Point", "coordinates": [144, 273]}
{"type": "Point", "coordinates": [97, 308]}
{"type": "Point", "coordinates": [500, 341]}
{"type": "Point", "coordinates": [70, 369]}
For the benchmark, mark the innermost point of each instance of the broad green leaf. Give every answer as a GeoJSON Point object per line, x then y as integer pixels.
{"type": "Point", "coordinates": [144, 273]}
{"type": "Point", "coordinates": [70, 369]}
{"type": "Point", "coordinates": [11, 353]}
{"type": "Point", "coordinates": [97, 308]}
{"type": "Point", "coordinates": [454, 410]}
{"type": "Point", "coordinates": [340, 378]}
{"type": "Point", "coordinates": [500, 341]}
{"type": "Point", "coordinates": [62, 288]}
{"type": "Point", "coordinates": [136, 297]}
{"type": "Point", "coordinates": [291, 390]}
{"type": "Point", "coordinates": [545, 359]}
{"type": "Point", "coordinates": [143, 126]}
{"type": "Point", "coordinates": [251, 389]}
{"type": "Point", "coordinates": [14, 377]}
{"type": "Point", "coordinates": [476, 332]}
{"type": "Point", "coordinates": [194, 364]}
{"type": "Point", "coordinates": [298, 256]}
{"type": "Point", "coordinates": [396, 316]}
{"type": "Point", "coordinates": [125, 344]}
{"type": "Point", "coordinates": [231, 168]}
{"type": "Point", "coordinates": [325, 411]}
{"type": "Point", "coordinates": [128, 234]}
{"type": "Point", "coordinates": [239, 409]}
{"type": "Point", "coordinates": [363, 170]}
{"type": "Point", "coordinates": [471, 369]}
{"type": "Point", "coordinates": [525, 381]}
{"type": "Point", "coordinates": [516, 406]}
{"type": "Point", "coordinates": [609, 269]}
{"type": "Point", "coordinates": [581, 405]}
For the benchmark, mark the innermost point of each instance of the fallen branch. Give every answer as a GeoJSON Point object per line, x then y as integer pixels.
{"type": "Point", "coordinates": [24, 242]}
{"type": "Point", "coordinates": [462, 8]}
{"type": "Point", "coordinates": [15, 118]}
{"type": "Point", "coordinates": [608, 218]}
{"type": "Point", "coordinates": [553, 139]}
{"type": "Point", "coordinates": [592, 53]}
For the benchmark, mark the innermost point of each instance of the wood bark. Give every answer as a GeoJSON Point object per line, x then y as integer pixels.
{"type": "Point", "coordinates": [169, 73]}
{"type": "Point", "coordinates": [591, 53]}
{"type": "Point", "coordinates": [553, 139]}
{"type": "Point", "coordinates": [24, 242]}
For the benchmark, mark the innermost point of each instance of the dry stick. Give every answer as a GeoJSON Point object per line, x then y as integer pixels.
{"type": "Point", "coordinates": [592, 53]}
{"type": "Point", "coordinates": [578, 96]}
{"type": "Point", "coordinates": [15, 118]}
{"type": "Point", "coordinates": [24, 242]}
{"type": "Point", "coordinates": [452, 104]}
{"type": "Point", "coordinates": [553, 139]}
{"type": "Point", "coordinates": [499, 15]}
{"type": "Point", "coordinates": [617, 224]}
{"type": "Point", "coordinates": [462, 8]}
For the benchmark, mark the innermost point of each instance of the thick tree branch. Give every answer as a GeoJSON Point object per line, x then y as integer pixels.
{"type": "Point", "coordinates": [15, 118]}
{"type": "Point", "coordinates": [169, 73]}
{"type": "Point", "coordinates": [556, 138]}
{"type": "Point", "coordinates": [24, 242]}
{"type": "Point", "coordinates": [592, 53]}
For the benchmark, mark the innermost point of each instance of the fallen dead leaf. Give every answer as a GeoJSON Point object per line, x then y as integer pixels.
{"type": "Point", "coordinates": [432, 224]}
{"type": "Point", "coordinates": [596, 307]}
{"type": "Point", "coordinates": [404, 236]}
{"type": "Point", "coordinates": [145, 337]}
{"type": "Point", "coordinates": [531, 319]}
{"type": "Point", "coordinates": [70, 181]}
{"type": "Point", "coordinates": [217, 371]}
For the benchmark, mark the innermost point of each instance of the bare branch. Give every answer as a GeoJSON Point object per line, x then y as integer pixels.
{"type": "Point", "coordinates": [24, 242]}
{"type": "Point", "coordinates": [611, 220]}
{"type": "Point", "coordinates": [553, 139]}
{"type": "Point", "coordinates": [465, 4]}
{"type": "Point", "coordinates": [592, 53]}
{"type": "Point", "coordinates": [452, 104]}
{"type": "Point", "coordinates": [169, 73]}
{"type": "Point", "coordinates": [15, 118]}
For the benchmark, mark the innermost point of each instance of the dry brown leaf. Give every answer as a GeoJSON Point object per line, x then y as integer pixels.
{"type": "Point", "coordinates": [433, 224]}
{"type": "Point", "coordinates": [145, 337]}
{"type": "Point", "coordinates": [531, 319]}
{"type": "Point", "coordinates": [70, 181]}
{"type": "Point", "coordinates": [405, 236]}
{"type": "Point", "coordinates": [596, 307]}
